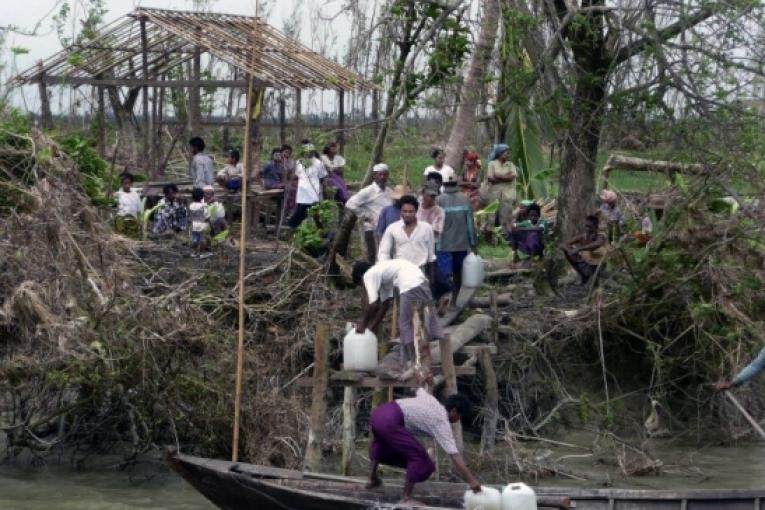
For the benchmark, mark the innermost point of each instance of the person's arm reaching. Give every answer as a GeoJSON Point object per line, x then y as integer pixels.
{"type": "Point", "coordinates": [459, 465]}
{"type": "Point", "coordinates": [750, 371]}
{"type": "Point", "coordinates": [385, 251]}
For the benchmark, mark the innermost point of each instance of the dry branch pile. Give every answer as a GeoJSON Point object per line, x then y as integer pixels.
{"type": "Point", "coordinates": [112, 345]}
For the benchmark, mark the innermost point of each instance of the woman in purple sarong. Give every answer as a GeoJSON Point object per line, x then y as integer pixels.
{"type": "Point", "coordinates": [394, 426]}
{"type": "Point", "coordinates": [527, 236]}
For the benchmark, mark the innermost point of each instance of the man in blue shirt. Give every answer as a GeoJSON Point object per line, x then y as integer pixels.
{"type": "Point", "coordinates": [390, 214]}
{"type": "Point", "coordinates": [273, 172]}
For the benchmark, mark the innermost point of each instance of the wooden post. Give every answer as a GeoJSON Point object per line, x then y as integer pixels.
{"type": "Point", "coordinates": [318, 398]}
{"type": "Point", "coordinates": [381, 395]}
{"type": "Point", "coordinates": [494, 317]}
{"type": "Point", "coordinates": [298, 122]}
{"type": "Point", "coordinates": [376, 111]}
{"type": "Point", "coordinates": [282, 121]}
{"type": "Point", "coordinates": [756, 426]}
{"type": "Point", "coordinates": [46, 117]}
{"type": "Point", "coordinates": [101, 134]}
{"type": "Point", "coordinates": [195, 112]}
{"type": "Point", "coordinates": [490, 403]}
{"type": "Point", "coordinates": [341, 121]}
{"type": "Point", "coordinates": [349, 429]}
{"type": "Point", "coordinates": [147, 149]}
{"type": "Point", "coordinates": [450, 378]}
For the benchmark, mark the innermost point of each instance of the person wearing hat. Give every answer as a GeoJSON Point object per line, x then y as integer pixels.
{"type": "Point", "coordinates": [310, 173]}
{"type": "Point", "coordinates": [392, 213]}
{"type": "Point", "coordinates": [499, 182]}
{"type": "Point", "coordinates": [458, 236]}
{"type": "Point", "coordinates": [368, 203]}
{"type": "Point", "coordinates": [611, 214]}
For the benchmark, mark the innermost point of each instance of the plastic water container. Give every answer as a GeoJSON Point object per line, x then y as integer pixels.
{"type": "Point", "coordinates": [519, 496]}
{"type": "Point", "coordinates": [487, 499]}
{"type": "Point", "coordinates": [360, 351]}
{"type": "Point", "coordinates": [472, 271]}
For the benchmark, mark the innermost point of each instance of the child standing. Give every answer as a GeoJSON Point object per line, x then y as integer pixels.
{"type": "Point", "coordinates": [128, 208]}
{"type": "Point", "coordinates": [612, 215]}
{"type": "Point", "coordinates": [201, 165]}
{"type": "Point", "coordinates": [199, 216]}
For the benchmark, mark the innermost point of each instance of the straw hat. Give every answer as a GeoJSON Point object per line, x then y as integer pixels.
{"type": "Point", "coordinates": [399, 191]}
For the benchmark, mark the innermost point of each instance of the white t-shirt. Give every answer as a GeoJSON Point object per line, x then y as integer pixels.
{"type": "Point", "coordinates": [330, 164]}
{"type": "Point", "coordinates": [432, 168]}
{"type": "Point", "coordinates": [231, 171]}
{"type": "Point", "coordinates": [199, 215]}
{"type": "Point", "coordinates": [368, 203]}
{"type": "Point", "coordinates": [381, 278]}
{"type": "Point", "coordinates": [309, 181]}
{"type": "Point", "coordinates": [128, 203]}
{"type": "Point", "coordinates": [419, 248]}
{"type": "Point", "coordinates": [216, 210]}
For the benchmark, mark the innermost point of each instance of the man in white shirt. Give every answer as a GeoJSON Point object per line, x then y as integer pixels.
{"type": "Point", "coordinates": [409, 239]}
{"type": "Point", "coordinates": [367, 204]}
{"type": "Point", "coordinates": [379, 281]}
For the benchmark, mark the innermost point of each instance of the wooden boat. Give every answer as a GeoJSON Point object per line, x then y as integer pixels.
{"type": "Point", "coordinates": [239, 486]}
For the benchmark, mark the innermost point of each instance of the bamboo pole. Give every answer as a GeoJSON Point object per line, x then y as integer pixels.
{"type": "Point", "coordinates": [242, 256]}
{"type": "Point", "coordinates": [745, 414]}
{"type": "Point", "coordinates": [491, 403]}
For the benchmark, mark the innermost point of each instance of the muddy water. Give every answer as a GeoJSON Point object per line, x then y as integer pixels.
{"type": "Point", "coordinates": [684, 467]}
{"type": "Point", "coordinates": [66, 490]}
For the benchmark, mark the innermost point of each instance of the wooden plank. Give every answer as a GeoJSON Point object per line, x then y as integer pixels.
{"type": "Point", "coordinates": [471, 350]}
{"type": "Point", "coordinates": [320, 381]}
{"type": "Point", "coordinates": [367, 381]}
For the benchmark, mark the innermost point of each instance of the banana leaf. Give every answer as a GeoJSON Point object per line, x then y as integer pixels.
{"type": "Point", "coordinates": [525, 140]}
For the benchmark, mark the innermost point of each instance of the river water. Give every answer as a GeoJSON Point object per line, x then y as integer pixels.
{"type": "Point", "coordinates": [685, 467]}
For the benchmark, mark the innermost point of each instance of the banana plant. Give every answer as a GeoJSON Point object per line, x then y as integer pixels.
{"type": "Point", "coordinates": [144, 215]}
{"type": "Point", "coordinates": [525, 139]}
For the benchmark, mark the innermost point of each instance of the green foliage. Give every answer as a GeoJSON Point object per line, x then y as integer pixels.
{"type": "Point", "coordinates": [311, 234]}
{"type": "Point", "coordinates": [525, 142]}
{"type": "Point", "coordinates": [92, 168]}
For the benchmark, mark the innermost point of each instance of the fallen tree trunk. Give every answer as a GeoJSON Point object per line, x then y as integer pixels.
{"type": "Point", "coordinates": [619, 162]}
{"type": "Point", "coordinates": [462, 334]}
{"type": "Point", "coordinates": [485, 301]}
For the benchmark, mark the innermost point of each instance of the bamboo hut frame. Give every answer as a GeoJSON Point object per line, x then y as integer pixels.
{"type": "Point", "coordinates": [142, 49]}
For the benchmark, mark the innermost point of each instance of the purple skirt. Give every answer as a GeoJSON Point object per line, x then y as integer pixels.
{"type": "Point", "coordinates": [393, 445]}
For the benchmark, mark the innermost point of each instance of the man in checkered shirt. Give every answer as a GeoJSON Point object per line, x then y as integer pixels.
{"type": "Point", "coordinates": [394, 426]}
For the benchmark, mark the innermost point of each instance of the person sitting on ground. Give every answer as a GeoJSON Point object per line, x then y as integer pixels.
{"type": "Point", "coordinates": [230, 176]}
{"type": "Point", "coordinates": [273, 171]}
{"type": "Point", "coordinates": [394, 426]}
{"type": "Point", "coordinates": [216, 211]}
{"type": "Point", "coordinates": [500, 179]}
{"type": "Point", "coordinates": [199, 216]}
{"type": "Point", "coordinates": [171, 216]}
{"type": "Point", "coordinates": [438, 166]}
{"type": "Point", "coordinates": [310, 173]}
{"type": "Point", "coordinates": [368, 203]}
{"type": "Point", "coordinates": [335, 165]}
{"type": "Point", "coordinates": [430, 212]}
{"type": "Point", "coordinates": [528, 235]}
{"type": "Point", "coordinates": [748, 373]}
{"type": "Point", "coordinates": [290, 180]}
{"type": "Point", "coordinates": [410, 239]}
{"type": "Point", "coordinates": [585, 252]}
{"type": "Point", "coordinates": [200, 165]}
{"type": "Point", "coordinates": [470, 182]}
{"type": "Point", "coordinates": [391, 213]}
{"type": "Point", "coordinates": [612, 215]}
{"type": "Point", "coordinates": [379, 282]}
{"type": "Point", "coordinates": [458, 236]}
{"type": "Point", "coordinates": [128, 208]}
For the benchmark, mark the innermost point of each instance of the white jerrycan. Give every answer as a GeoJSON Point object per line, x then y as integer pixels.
{"type": "Point", "coordinates": [359, 351]}
{"type": "Point", "coordinates": [519, 496]}
{"type": "Point", "coordinates": [487, 499]}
